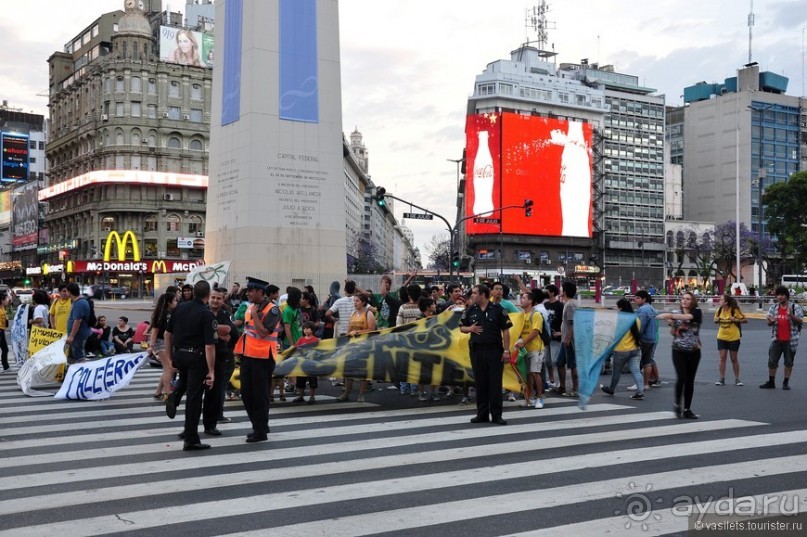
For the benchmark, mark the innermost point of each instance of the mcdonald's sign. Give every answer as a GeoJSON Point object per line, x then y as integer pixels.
{"type": "Point", "coordinates": [159, 264]}
{"type": "Point", "coordinates": [120, 243]}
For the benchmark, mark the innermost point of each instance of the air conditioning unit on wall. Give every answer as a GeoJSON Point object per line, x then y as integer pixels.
{"type": "Point", "coordinates": [168, 197]}
{"type": "Point", "coordinates": [200, 234]}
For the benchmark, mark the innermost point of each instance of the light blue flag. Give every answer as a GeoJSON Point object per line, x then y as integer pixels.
{"type": "Point", "coordinates": [596, 333]}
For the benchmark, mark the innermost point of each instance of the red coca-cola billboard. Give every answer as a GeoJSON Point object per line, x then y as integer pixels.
{"type": "Point", "coordinates": [543, 159]}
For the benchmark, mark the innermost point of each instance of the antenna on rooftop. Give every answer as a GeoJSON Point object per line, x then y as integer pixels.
{"type": "Point", "coordinates": [536, 20]}
{"type": "Point", "coordinates": [750, 28]}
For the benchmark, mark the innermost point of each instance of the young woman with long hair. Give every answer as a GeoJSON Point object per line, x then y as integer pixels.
{"type": "Point", "coordinates": [686, 351]}
{"type": "Point", "coordinates": [159, 320]}
{"type": "Point", "coordinates": [728, 318]}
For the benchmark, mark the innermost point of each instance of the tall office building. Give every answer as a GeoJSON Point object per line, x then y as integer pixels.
{"type": "Point", "coordinates": [739, 136]}
{"type": "Point", "coordinates": [625, 122]}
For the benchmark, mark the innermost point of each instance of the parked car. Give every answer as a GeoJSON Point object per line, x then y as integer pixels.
{"type": "Point", "coordinates": [116, 292]}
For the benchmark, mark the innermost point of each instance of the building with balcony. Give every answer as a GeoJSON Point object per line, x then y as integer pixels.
{"type": "Point", "coordinates": [128, 149]}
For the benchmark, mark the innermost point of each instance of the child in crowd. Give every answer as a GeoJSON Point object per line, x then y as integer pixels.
{"type": "Point", "coordinates": [308, 339]}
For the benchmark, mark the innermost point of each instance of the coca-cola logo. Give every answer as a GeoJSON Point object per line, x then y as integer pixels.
{"type": "Point", "coordinates": [484, 172]}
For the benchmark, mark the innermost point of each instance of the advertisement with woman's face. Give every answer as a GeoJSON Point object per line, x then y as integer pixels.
{"type": "Point", "coordinates": [186, 47]}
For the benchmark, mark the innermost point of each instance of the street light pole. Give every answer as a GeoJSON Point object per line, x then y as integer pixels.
{"type": "Point", "coordinates": [760, 185]}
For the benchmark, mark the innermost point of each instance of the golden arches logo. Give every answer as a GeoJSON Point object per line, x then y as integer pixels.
{"type": "Point", "coordinates": [159, 265]}
{"type": "Point", "coordinates": [71, 267]}
{"type": "Point", "coordinates": [120, 243]}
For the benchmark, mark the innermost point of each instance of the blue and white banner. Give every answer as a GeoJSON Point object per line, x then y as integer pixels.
{"type": "Point", "coordinates": [299, 78]}
{"type": "Point", "coordinates": [101, 378]}
{"type": "Point", "coordinates": [596, 333]}
{"type": "Point", "coordinates": [19, 335]}
{"type": "Point", "coordinates": [45, 367]}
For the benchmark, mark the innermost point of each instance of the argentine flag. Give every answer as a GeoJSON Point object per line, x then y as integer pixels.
{"type": "Point", "coordinates": [596, 333]}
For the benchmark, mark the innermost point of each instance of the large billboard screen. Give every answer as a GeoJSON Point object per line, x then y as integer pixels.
{"type": "Point", "coordinates": [24, 217]}
{"type": "Point", "coordinates": [187, 47]}
{"type": "Point", "coordinates": [15, 156]}
{"type": "Point", "coordinates": [544, 159]}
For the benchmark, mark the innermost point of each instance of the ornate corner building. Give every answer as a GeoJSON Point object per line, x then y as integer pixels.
{"type": "Point", "coordinates": [128, 147]}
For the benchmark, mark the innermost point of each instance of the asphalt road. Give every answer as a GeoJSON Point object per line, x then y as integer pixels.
{"type": "Point", "coordinates": [397, 466]}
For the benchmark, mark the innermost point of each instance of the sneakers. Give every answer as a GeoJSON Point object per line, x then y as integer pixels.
{"type": "Point", "coordinates": [768, 386]}
{"type": "Point", "coordinates": [434, 397]}
{"type": "Point", "coordinates": [607, 389]}
{"type": "Point", "coordinates": [343, 397]}
{"type": "Point", "coordinates": [638, 396]}
{"type": "Point", "coordinates": [738, 382]}
{"type": "Point", "coordinates": [655, 383]}
{"type": "Point", "coordinates": [360, 399]}
{"type": "Point", "coordinates": [423, 396]}
{"type": "Point", "coordinates": [785, 386]}
{"type": "Point", "coordinates": [632, 388]}
{"type": "Point", "coordinates": [539, 403]}
{"type": "Point", "coordinates": [720, 382]}
{"type": "Point", "coordinates": [465, 400]}
{"type": "Point", "coordinates": [511, 396]}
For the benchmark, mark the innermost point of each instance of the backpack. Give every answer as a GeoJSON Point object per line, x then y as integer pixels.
{"type": "Point", "coordinates": [92, 320]}
{"type": "Point", "coordinates": [545, 337]}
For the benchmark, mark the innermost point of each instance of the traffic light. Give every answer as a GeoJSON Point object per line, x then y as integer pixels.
{"type": "Point", "coordinates": [26, 282]}
{"type": "Point", "coordinates": [528, 208]}
{"type": "Point", "coordinates": [379, 196]}
{"type": "Point", "coordinates": [455, 260]}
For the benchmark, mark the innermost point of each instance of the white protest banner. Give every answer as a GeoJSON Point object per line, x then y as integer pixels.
{"type": "Point", "coordinates": [19, 335]}
{"type": "Point", "coordinates": [212, 273]}
{"type": "Point", "coordinates": [44, 367]}
{"type": "Point", "coordinates": [99, 379]}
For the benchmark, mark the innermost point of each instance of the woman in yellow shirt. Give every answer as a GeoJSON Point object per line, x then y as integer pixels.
{"type": "Point", "coordinates": [627, 350]}
{"type": "Point", "coordinates": [729, 317]}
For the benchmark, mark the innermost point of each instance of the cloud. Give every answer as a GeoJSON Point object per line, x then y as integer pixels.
{"type": "Point", "coordinates": [788, 14]}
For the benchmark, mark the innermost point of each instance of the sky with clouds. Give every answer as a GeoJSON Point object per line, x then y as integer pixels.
{"type": "Point", "coordinates": [408, 66]}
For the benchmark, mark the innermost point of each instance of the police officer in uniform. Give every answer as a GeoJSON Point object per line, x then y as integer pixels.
{"type": "Point", "coordinates": [489, 326]}
{"type": "Point", "coordinates": [226, 336]}
{"type": "Point", "coordinates": [258, 347]}
{"type": "Point", "coordinates": [191, 347]}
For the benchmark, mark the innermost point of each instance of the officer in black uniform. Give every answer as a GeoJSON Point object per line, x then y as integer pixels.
{"type": "Point", "coordinates": [489, 326]}
{"type": "Point", "coordinates": [191, 347]}
{"type": "Point", "coordinates": [226, 336]}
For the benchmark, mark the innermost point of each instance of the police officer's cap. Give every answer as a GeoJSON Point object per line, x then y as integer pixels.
{"type": "Point", "coordinates": [255, 283]}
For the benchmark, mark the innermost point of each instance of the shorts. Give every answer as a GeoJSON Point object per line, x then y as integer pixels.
{"type": "Point", "coordinates": [536, 360]}
{"type": "Point", "coordinates": [777, 349]}
{"type": "Point", "coordinates": [723, 345]}
{"type": "Point", "coordinates": [648, 352]}
{"type": "Point", "coordinates": [312, 382]}
{"type": "Point", "coordinates": [566, 357]}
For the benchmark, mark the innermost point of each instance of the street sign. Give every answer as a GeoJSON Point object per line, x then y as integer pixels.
{"type": "Point", "coordinates": [495, 221]}
{"type": "Point", "coordinates": [418, 216]}
{"type": "Point", "coordinates": [561, 269]}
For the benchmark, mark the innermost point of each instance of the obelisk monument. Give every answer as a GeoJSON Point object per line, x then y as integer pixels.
{"type": "Point", "coordinates": [276, 196]}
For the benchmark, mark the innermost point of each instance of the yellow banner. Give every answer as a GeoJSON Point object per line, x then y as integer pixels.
{"type": "Point", "coordinates": [429, 351]}
{"type": "Point", "coordinates": [41, 338]}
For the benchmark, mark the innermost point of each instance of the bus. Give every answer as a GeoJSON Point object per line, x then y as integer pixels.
{"type": "Point", "coordinates": [794, 280]}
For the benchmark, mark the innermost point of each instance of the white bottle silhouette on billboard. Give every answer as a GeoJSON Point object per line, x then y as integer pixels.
{"type": "Point", "coordinates": [575, 180]}
{"type": "Point", "coordinates": [483, 177]}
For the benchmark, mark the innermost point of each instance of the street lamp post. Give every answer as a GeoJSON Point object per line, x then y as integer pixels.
{"type": "Point", "coordinates": [760, 185]}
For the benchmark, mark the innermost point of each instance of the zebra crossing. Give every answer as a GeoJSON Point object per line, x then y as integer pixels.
{"type": "Point", "coordinates": [349, 469]}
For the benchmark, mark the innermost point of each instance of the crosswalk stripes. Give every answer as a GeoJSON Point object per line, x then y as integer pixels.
{"type": "Point", "coordinates": [341, 469]}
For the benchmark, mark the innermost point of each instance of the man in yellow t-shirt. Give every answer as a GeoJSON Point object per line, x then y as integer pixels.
{"type": "Point", "coordinates": [530, 340]}
{"type": "Point", "coordinates": [60, 309]}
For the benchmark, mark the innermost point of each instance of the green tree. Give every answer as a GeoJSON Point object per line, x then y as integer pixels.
{"type": "Point", "coordinates": [787, 220]}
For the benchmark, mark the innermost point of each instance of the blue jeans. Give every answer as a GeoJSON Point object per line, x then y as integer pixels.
{"type": "Point", "coordinates": [107, 347]}
{"type": "Point", "coordinates": [77, 350]}
{"type": "Point", "coordinates": [633, 358]}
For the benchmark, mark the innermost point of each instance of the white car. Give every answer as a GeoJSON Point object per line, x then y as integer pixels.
{"type": "Point", "coordinates": [24, 295]}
